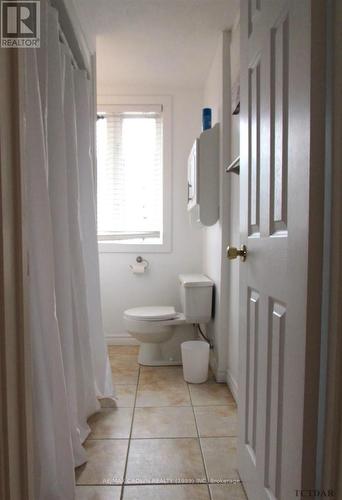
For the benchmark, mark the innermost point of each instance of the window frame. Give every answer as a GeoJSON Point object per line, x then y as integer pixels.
{"type": "Point", "coordinates": [108, 103]}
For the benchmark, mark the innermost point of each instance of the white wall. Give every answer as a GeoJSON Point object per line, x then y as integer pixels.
{"type": "Point", "coordinates": [224, 328]}
{"type": "Point", "coordinates": [217, 97]}
{"type": "Point", "coordinates": [234, 220]}
{"type": "Point", "coordinates": [212, 235]}
{"type": "Point", "coordinates": [120, 288]}
{"type": "Point", "coordinates": [194, 249]}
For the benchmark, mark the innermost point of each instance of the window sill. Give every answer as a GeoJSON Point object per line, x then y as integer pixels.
{"type": "Point", "coordinates": [115, 247]}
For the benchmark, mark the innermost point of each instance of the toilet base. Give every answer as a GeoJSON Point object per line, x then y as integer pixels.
{"type": "Point", "coordinates": [152, 355]}
{"type": "Point", "coordinates": [166, 353]}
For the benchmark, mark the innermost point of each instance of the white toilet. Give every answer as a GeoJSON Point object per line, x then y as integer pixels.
{"type": "Point", "coordinates": [161, 330]}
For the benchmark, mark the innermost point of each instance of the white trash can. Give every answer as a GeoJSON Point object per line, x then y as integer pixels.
{"type": "Point", "coordinates": [195, 358]}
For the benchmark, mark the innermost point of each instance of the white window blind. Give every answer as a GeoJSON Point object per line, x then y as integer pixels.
{"type": "Point", "coordinates": [130, 174]}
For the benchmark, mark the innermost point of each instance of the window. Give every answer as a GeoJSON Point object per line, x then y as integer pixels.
{"type": "Point", "coordinates": [131, 175]}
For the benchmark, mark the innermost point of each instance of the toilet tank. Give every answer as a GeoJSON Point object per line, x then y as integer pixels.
{"type": "Point", "coordinates": [196, 292]}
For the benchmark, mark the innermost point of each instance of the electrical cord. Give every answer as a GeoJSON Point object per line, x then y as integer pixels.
{"type": "Point", "coordinates": [204, 336]}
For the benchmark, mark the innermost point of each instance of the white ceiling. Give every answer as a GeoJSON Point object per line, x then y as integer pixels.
{"type": "Point", "coordinates": [155, 42]}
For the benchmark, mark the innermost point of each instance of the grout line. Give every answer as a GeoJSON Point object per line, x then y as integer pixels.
{"type": "Point", "coordinates": [176, 482]}
{"type": "Point", "coordinates": [130, 437]}
{"type": "Point", "coordinates": [182, 406]}
{"type": "Point", "coordinates": [159, 438]}
{"type": "Point", "coordinates": [125, 384]}
{"type": "Point", "coordinates": [200, 444]}
{"type": "Point", "coordinates": [148, 438]}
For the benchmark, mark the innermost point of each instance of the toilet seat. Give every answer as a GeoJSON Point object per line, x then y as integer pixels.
{"type": "Point", "coordinates": [151, 313]}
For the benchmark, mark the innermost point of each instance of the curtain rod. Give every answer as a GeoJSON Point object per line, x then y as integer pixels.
{"type": "Point", "coordinates": [63, 39]}
{"type": "Point", "coordinates": [68, 35]}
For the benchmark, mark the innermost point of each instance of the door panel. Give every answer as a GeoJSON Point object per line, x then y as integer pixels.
{"type": "Point", "coordinates": [279, 70]}
{"type": "Point", "coordinates": [252, 373]}
{"type": "Point", "coordinates": [254, 154]}
{"type": "Point", "coordinates": [274, 401]}
{"type": "Point", "coordinates": [281, 225]}
{"type": "Point", "coordinates": [253, 11]}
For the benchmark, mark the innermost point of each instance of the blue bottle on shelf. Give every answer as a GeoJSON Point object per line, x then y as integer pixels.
{"type": "Point", "coordinates": [206, 118]}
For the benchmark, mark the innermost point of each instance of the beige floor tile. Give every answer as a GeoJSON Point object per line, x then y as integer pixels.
{"type": "Point", "coordinates": [211, 377]}
{"type": "Point", "coordinates": [98, 492]}
{"type": "Point", "coordinates": [164, 460]}
{"type": "Point", "coordinates": [156, 374]}
{"type": "Point", "coordinates": [124, 361]}
{"type": "Point", "coordinates": [216, 421]}
{"type": "Point", "coordinates": [220, 458]}
{"type": "Point", "coordinates": [125, 375]}
{"type": "Point", "coordinates": [227, 492]}
{"type": "Point", "coordinates": [114, 350]}
{"type": "Point", "coordinates": [165, 422]}
{"type": "Point", "coordinates": [111, 423]}
{"type": "Point", "coordinates": [125, 367]}
{"type": "Point", "coordinates": [106, 462]}
{"type": "Point", "coordinates": [125, 395]}
{"type": "Point", "coordinates": [210, 394]}
{"type": "Point", "coordinates": [167, 492]}
{"type": "Point", "coordinates": [163, 393]}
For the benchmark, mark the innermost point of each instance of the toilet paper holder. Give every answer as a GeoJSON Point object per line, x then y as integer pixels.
{"type": "Point", "coordinates": [143, 262]}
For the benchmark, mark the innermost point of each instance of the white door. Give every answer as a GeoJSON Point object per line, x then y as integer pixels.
{"type": "Point", "coordinates": [282, 162]}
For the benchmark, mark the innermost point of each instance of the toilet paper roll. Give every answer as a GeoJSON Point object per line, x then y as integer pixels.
{"type": "Point", "coordinates": [138, 268]}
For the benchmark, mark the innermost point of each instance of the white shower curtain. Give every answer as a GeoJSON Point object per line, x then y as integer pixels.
{"type": "Point", "coordinates": [71, 370]}
{"type": "Point", "coordinates": [88, 229]}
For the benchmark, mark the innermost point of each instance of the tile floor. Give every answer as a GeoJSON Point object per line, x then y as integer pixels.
{"type": "Point", "coordinates": [166, 439]}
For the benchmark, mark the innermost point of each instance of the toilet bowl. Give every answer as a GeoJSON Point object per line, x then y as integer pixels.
{"type": "Point", "coordinates": [153, 326]}
{"type": "Point", "coordinates": [161, 329]}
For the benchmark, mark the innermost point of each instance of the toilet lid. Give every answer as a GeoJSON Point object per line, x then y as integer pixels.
{"type": "Point", "coordinates": [151, 313]}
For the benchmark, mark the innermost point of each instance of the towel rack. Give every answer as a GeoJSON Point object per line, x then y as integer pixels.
{"type": "Point", "coordinates": [234, 166]}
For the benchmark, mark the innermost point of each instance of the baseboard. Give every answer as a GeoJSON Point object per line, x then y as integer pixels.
{"type": "Point", "coordinates": [232, 384]}
{"type": "Point", "coordinates": [122, 339]}
{"type": "Point", "coordinates": [220, 376]}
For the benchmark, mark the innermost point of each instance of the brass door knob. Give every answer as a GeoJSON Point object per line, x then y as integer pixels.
{"type": "Point", "coordinates": [233, 253]}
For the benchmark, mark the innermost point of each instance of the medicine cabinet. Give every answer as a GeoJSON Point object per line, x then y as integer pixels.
{"type": "Point", "coordinates": [203, 177]}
